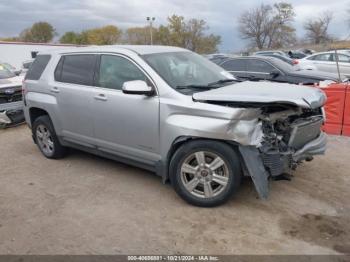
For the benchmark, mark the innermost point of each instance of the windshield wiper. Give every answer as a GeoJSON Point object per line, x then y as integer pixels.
{"type": "Point", "coordinates": [208, 86]}
{"type": "Point", "coordinates": [222, 81]}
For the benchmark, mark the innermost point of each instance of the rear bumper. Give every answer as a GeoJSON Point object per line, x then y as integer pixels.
{"type": "Point", "coordinates": [314, 147]}
{"type": "Point", "coordinates": [11, 113]}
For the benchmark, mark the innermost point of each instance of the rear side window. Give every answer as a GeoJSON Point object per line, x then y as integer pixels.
{"type": "Point", "coordinates": [76, 69]}
{"type": "Point", "coordinates": [235, 65]}
{"type": "Point", "coordinates": [38, 67]}
{"type": "Point", "coordinates": [321, 57]}
{"type": "Point", "coordinates": [258, 66]}
{"type": "Point", "coordinates": [342, 58]}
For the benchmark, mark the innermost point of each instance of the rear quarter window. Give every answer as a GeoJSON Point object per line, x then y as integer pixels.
{"type": "Point", "coordinates": [38, 67]}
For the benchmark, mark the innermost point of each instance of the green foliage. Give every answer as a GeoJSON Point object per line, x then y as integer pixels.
{"type": "Point", "coordinates": [70, 38]}
{"type": "Point", "coordinates": [40, 32]}
{"type": "Point", "coordinates": [107, 35]}
{"type": "Point", "coordinates": [10, 39]}
{"type": "Point", "coordinates": [189, 34]}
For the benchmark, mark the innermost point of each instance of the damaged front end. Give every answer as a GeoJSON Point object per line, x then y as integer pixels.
{"type": "Point", "coordinates": [291, 135]}
{"type": "Point", "coordinates": [286, 131]}
{"type": "Point", "coordinates": [11, 106]}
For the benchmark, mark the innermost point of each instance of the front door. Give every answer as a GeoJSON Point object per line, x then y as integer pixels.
{"type": "Point", "coordinates": [124, 124]}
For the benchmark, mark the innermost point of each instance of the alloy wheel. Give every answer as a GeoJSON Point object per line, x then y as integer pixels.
{"type": "Point", "coordinates": [44, 139]}
{"type": "Point", "coordinates": [204, 174]}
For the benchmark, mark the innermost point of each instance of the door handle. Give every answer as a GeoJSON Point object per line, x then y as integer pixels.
{"type": "Point", "coordinates": [101, 97]}
{"type": "Point", "coordinates": [55, 90]}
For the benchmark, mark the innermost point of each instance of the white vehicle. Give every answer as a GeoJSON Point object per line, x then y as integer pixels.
{"type": "Point", "coordinates": [326, 61]}
{"type": "Point", "coordinates": [11, 105]}
{"type": "Point", "coordinates": [26, 65]}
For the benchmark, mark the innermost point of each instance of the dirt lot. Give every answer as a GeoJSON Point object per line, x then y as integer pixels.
{"type": "Point", "coordinates": [88, 205]}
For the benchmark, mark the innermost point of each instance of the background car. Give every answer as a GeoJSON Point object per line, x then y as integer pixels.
{"type": "Point", "coordinates": [10, 68]}
{"type": "Point", "coordinates": [283, 58]}
{"type": "Point", "coordinates": [256, 68]}
{"type": "Point", "coordinates": [296, 54]}
{"type": "Point", "coordinates": [326, 61]}
{"type": "Point", "coordinates": [271, 52]}
{"type": "Point", "coordinates": [11, 105]}
{"type": "Point", "coordinates": [26, 65]}
{"type": "Point", "coordinates": [5, 73]}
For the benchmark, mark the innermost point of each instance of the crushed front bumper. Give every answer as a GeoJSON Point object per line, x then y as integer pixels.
{"type": "Point", "coordinates": [260, 170]}
{"type": "Point", "coordinates": [11, 113]}
{"type": "Point", "coordinates": [314, 147]}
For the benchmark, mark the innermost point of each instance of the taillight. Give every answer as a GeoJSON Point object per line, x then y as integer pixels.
{"type": "Point", "coordinates": [24, 88]}
{"type": "Point", "coordinates": [295, 62]}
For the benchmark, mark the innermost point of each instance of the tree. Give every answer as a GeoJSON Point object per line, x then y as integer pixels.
{"type": "Point", "coordinates": [317, 28]}
{"type": "Point", "coordinates": [10, 39]}
{"type": "Point", "coordinates": [163, 35]}
{"type": "Point", "coordinates": [70, 38]}
{"type": "Point", "coordinates": [282, 32]}
{"type": "Point", "coordinates": [40, 32]}
{"type": "Point", "coordinates": [268, 26]}
{"type": "Point", "coordinates": [177, 30]}
{"type": "Point", "coordinates": [107, 35]}
{"type": "Point", "coordinates": [141, 35]}
{"type": "Point", "coordinates": [189, 34]}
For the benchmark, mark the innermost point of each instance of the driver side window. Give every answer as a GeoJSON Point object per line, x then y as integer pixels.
{"type": "Point", "coordinates": [115, 71]}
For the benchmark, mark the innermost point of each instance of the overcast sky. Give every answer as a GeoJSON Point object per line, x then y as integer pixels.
{"type": "Point", "coordinates": [221, 15]}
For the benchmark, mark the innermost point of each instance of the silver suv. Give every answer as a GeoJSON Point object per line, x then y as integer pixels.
{"type": "Point", "coordinates": [173, 112]}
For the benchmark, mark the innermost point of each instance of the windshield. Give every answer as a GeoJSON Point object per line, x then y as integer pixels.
{"type": "Point", "coordinates": [5, 73]}
{"type": "Point", "coordinates": [8, 66]}
{"type": "Point", "coordinates": [186, 69]}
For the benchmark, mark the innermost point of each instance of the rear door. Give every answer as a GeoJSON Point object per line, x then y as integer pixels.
{"type": "Point", "coordinates": [237, 67]}
{"type": "Point", "coordinates": [74, 93]}
{"type": "Point", "coordinates": [260, 70]}
{"type": "Point", "coordinates": [323, 62]}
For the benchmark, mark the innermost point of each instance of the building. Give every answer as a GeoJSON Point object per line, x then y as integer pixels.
{"type": "Point", "coordinates": [15, 53]}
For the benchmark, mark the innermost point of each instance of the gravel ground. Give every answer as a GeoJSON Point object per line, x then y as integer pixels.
{"type": "Point", "coordinates": [84, 204]}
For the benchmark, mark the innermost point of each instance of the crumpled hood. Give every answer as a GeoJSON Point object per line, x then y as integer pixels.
{"type": "Point", "coordinates": [11, 82]}
{"type": "Point", "coordinates": [265, 92]}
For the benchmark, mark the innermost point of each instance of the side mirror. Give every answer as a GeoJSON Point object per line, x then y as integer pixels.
{"type": "Point", "coordinates": [137, 87]}
{"type": "Point", "coordinates": [274, 73]}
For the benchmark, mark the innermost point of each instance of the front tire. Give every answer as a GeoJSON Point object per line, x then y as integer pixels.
{"type": "Point", "coordinates": [205, 173]}
{"type": "Point", "coordinates": [46, 139]}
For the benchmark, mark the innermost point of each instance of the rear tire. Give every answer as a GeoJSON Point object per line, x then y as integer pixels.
{"type": "Point", "coordinates": [46, 139]}
{"type": "Point", "coordinates": [205, 173]}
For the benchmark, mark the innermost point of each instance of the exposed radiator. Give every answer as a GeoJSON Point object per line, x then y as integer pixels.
{"type": "Point", "coordinates": [304, 131]}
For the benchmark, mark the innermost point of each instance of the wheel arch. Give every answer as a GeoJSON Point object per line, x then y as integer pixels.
{"type": "Point", "coordinates": [35, 112]}
{"type": "Point", "coordinates": [181, 140]}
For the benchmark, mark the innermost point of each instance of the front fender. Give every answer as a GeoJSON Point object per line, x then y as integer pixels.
{"type": "Point", "coordinates": [244, 132]}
